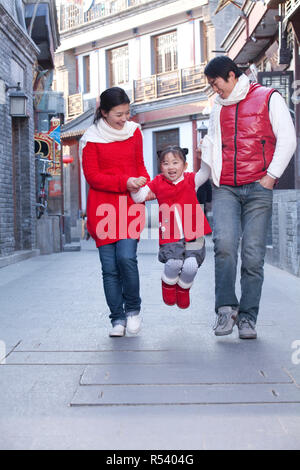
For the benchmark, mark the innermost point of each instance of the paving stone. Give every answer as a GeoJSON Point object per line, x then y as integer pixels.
{"type": "Point", "coordinates": [96, 395]}
{"type": "Point", "coordinates": [176, 374]}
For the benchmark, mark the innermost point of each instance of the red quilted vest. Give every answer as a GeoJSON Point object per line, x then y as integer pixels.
{"type": "Point", "coordinates": [248, 141]}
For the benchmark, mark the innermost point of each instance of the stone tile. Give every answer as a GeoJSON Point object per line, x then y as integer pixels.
{"type": "Point", "coordinates": [106, 395]}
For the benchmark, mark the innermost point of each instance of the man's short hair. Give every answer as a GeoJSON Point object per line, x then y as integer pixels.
{"type": "Point", "coordinates": [221, 66]}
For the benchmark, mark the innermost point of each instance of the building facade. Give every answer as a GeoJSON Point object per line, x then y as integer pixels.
{"type": "Point", "coordinates": [17, 176]}
{"type": "Point", "coordinates": [156, 50]}
{"type": "Point", "coordinates": [23, 50]}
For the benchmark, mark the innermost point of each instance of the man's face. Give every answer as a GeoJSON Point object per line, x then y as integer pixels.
{"type": "Point", "coordinates": [222, 87]}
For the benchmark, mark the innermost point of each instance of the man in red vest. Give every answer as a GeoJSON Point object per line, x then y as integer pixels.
{"type": "Point", "coordinates": [250, 141]}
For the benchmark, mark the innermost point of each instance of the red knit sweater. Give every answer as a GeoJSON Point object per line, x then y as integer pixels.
{"type": "Point", "coordinates": [107, 168]}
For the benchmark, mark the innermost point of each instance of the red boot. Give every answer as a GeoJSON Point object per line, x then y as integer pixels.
{"type": "Point", "coordinates": [168, 293]}
{"type": "Point", "coordinates": [182, 297]}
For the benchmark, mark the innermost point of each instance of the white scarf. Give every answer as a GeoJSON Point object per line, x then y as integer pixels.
{"type": "Point", "coordinates": [102, 133]}
{"type": "Point", "coordinates": [212, 142]}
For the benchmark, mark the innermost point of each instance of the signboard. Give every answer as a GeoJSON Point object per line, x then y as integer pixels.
{"type": "Point", "coordinates": [47, 145]}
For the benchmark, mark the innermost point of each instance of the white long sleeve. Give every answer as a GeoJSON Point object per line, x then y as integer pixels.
{"type": "Point", "coordinates": [202, 174]}
{"type": "Point", "coordinates": [141, 194]}
{"type": "Point", "coordinates": [284, 130]}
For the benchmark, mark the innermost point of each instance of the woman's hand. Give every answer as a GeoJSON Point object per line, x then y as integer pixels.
{"type": "Point", "coordinates": [133, 184]}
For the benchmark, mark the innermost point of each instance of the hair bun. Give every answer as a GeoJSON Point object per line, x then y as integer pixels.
{"type": "Point", "coordinates": [185, 151]}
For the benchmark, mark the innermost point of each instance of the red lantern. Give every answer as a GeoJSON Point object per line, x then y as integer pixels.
{"type": "Point", "coordinates": [67, 159]}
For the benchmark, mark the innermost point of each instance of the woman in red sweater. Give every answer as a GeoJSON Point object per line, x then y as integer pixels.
{"type": "Point", "coordinates": [112, 160]}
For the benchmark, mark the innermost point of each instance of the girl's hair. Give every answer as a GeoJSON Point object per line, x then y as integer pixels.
{"type": "Point", "coordinates": [109, 99]}
{"type": "Point", "coordinates": [175, 149]}
{"type": "Point", "coordinates": [221, 66]}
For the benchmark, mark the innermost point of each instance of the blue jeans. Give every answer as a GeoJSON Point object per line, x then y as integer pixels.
{"type": "Point", "coordinates": [240, 212]}
{"type": "Point", "coordinates": [121, 279]}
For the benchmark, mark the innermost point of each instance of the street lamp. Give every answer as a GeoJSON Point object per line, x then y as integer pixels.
{"type": "Point", "coordinates": [18, 101]}
{"type": "Point", "coordinates": [202, 131]}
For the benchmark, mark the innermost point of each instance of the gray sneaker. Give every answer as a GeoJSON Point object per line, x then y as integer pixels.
{"type": "Point", "coordinates": [225, 321]}
{"type": "Point", "coordinates": [247, 329]}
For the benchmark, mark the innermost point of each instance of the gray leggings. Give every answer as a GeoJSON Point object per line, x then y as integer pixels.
{"type": "Point", "coordinates": [182, 260]}
{"type": "Point", "coordinates": [185, 270]}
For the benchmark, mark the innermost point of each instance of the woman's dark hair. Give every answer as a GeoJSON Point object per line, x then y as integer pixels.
{"type": "Point", "coordinates": [175, 149]}
{"type": "Point", "coordinates": [109, 99]}
{"type": "Point", "coordinates": [221, 66]}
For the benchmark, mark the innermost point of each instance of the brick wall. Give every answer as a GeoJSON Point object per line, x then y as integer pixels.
{"type": "Point", "coordinates": [17, 165]}
{"type": "Point", "coordinates": [285, 250]}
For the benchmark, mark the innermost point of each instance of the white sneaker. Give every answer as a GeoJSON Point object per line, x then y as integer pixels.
{"type": "Point", "coordinates": [117, 330]}
{"type": "Point", "coordinates": [225, 321]}
{"type": "Point", "coordinates": [134, 323]}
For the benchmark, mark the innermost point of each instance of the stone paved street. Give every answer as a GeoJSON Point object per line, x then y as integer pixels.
{"type": "Point", "coordinates": [64, 384]}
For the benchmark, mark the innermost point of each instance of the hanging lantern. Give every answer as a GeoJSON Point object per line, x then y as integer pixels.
{"type": "Point", "coordinates": [67, 159]}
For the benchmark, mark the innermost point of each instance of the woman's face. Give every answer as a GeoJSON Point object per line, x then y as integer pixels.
{"type": "Point", "coordinates": [117, 116]}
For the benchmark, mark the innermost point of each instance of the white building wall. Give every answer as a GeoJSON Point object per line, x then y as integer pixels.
{"type": "Point", "coordinates": [198, 41]}
{"type": "Point", "coordinates": [185, 37]}
{"type": "Point", "coordinates": [146, 59]}
{"type": "Point", "coordinates": [102, 70]}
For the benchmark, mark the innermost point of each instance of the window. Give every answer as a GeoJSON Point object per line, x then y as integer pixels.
{"type": "Point", "coordinates": [86, 74]}
{"type": "Point", "coordinates": [118, 65]}
{"type": "Point", "coordinates": [165, 49]}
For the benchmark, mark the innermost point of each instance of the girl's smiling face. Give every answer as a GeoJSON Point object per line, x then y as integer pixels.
{"type": "Point", "coordinates": [172, 166]}
{"type": "Point", "coordinates": [117, 116]}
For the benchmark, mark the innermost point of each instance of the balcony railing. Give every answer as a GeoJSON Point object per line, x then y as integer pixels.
{"type": "Point", "coordinates": [157, 86]}
{"type": "Point", "coordinates": [169, 83]}
{"type": "Point", "coordinates": [73, 15]}
{"type": "Point", "coordinates": [291, 5]}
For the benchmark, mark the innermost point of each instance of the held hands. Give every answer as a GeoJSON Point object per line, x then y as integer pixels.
{"type": "Point", "coordinates": [134, 184]}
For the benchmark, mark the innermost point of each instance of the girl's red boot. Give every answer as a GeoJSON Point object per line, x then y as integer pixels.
{"type": "Point", "coordinates": [168, 293]}
{"type": "Point", "coordinates": [182, 297]}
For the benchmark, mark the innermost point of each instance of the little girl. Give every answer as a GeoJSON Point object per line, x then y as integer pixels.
{"type": "Point", "coordinates": [182, 223]}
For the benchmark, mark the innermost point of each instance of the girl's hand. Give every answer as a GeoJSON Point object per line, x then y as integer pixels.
{"type": "Point", "coordinates": [150, 196]}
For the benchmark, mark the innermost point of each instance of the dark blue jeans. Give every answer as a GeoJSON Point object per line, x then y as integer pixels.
{"type": "Point", "coordinates": [121, 279]}
{"type": "Point", "coordinates": [240, 213]}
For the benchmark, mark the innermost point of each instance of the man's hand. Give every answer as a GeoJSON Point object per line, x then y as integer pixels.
{"type": "Point", "coordinates": [133, 184]}
{"type": "Point", "coordinates": [199, 149]}
{"type": "Point", "coordinates": [267, 182]}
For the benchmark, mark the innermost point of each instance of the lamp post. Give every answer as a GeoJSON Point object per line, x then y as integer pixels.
{"type": "Point", "coordinates": [18, 101]}
{"type": "Point", "coordinates": [202, 131]}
